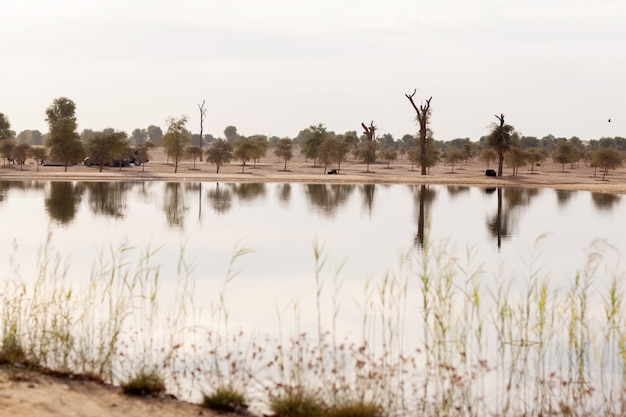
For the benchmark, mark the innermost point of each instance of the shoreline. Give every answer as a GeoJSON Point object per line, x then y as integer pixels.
{"type": "Point", "coordinates": [550, 175]}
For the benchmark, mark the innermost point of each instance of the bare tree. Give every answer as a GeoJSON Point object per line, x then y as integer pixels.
{"type": "Point", "coordinates": [423, 116]}
{"type": "Point", "coordinates": [202, 117]}
{"type": "Point", "coordinates": [369, 131]}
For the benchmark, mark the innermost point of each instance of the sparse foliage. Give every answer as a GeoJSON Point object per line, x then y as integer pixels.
{"type": "Point", "coordinates": [176, 139]}
{"type": "Point", "coordinates": [219, 153]}
{"type": "Point", "coordinates": [284, 150]}
{"type": "Point", "coordinates": [501, 140]}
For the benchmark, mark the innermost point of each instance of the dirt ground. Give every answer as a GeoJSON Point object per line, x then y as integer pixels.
{"type": "Point", "coordinates": [270, 169]}
{"type": "Point", "coordinates": [31, 394]}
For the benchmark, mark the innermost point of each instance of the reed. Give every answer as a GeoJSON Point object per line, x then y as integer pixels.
{"type": "Point", "coordinates": [436, 338]}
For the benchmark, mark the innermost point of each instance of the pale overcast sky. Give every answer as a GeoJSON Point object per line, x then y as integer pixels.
{"type": "Point", "coordinates": [275, 67]}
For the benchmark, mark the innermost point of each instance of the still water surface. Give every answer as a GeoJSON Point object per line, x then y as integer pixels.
{"type": "Point", "coordinates": [365, 231]}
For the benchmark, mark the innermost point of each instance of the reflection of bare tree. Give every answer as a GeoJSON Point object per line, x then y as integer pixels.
{"type": "Point", "coordinates": [108, 198]}
{"type": "Point", "coordinates": [423, 197]}
{"type": "Point", "coordinates": [248, 191]}
{"type": "Point", "coordinates": [220, 198]}
{"type": "Point", "coordinates": [326, 197]}
{"type": "Point", "coordinates": [284, 192]}
{"type": "Point", "coordinates": [195, 187]}
{"type": "Point", "coordinates": [563, 197]}
{"type": "Point", "coordinates": [367, 190]}
{"type": "Point", "coordinates": [174, 204]}
{"type": "Point", "coordinates": [62, 200]}
{"type": "Point", "coordinates": [605, 201]}
{"type": "Point", "coordinates": [498, 225]}
{"type": "Point", "coordinates": [509, 200]}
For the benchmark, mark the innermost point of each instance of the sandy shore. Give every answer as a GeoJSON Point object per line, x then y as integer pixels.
{"type": "Point", "coordinates": [31, 394]}
{"type": "Point", "coordinates": [269, 169]}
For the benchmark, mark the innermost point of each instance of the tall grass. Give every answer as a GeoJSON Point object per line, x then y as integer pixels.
{"type": "Point", "coordinates": [436, 337]}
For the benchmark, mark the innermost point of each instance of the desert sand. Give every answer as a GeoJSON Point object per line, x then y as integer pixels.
{"type": "Point", "coordinates": [24, 393]}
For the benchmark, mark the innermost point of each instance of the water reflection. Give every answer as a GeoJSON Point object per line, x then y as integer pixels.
{"type": "Point", "coordinates": [248, 192]}
{"type": "Point", "coordinates": [326, 198]}
{"type": "Point", "coordinates": [456, 191]}
{"type": "Point", "coordinates": [423, 197]}
{"type": "Point", "coordinates": [284, 192]}
{"type": "Point", "coordinates": [563, 197]}
{"type": "Point", "coordinates": [604, 201]}
{"type": "Point", "coordinates": [503, 223]}
{"type": "Point", "coordinates": [367, 191]}
{"type": "Point", "coordinates": [174, 204]}
{"type": "Point", "coordinates": [108, 199]}
{"type": "Point", "coordinates": [221, 199]}
{"type": "Point", "coordinates": [63, 199]}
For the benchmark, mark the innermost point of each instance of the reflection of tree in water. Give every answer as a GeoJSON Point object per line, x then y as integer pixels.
{"type": "Point", "coordinates": [195, 188]}
{"type": "Point", "coordinates": [503, 223]}
{"type": "Point", "coordinates": [174, 204]}
{"type": "Point", "coordinates": [248, 191]}
{"type": "Point", "coordinates": [367, 191]}
{"type": "Point", "coordinates": [563, 197]}
{"type": "Point", "coordinates": [4, 189]}
{"type": "Point", "coordinates": [221, 199]}
{"type": "Point", "coordinates": [423, 197]}
{"type": "Point", "coordinates": [284, 192]}
{"type": "Point", "coordinates": [108, 198]}
{"type": "Point", "coordinates": [5, 186]}
{"type": "Point", "coordinates": [605, 201]}
{"type": "Point", "coordinates": [327, 197]}
{"type": "Point", "coordinates": [63, 199]}
{"type": "Point", "coordinates": [456, 190]}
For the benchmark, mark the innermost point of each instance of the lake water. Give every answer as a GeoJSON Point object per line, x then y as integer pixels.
{"type": "Point", "coordinates": [365, 235]}
{"type": "Point", "coordinates": [364, 230]}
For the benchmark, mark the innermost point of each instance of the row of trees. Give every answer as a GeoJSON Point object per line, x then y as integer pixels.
{"type": "Point", "coordinates": [324, 148]}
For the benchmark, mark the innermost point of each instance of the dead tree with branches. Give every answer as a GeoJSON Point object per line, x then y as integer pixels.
{"type": "Point", "coordinates": [423, 116]}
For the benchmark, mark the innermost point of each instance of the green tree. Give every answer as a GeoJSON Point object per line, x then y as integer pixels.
{"type": "Point", "coordinates": [310, 145]}
{"type": "Point", "coordinates": [535, 157]}
{"type": "Point", "coordinates": [20, 153]}
{"type": "Point", "coordinates": [230, 133]}
{"type": "Point", "coordinates": [6, 149]}
{"type": "Point", "coordinates": [32, 137]}
{"type": "Point", "coordinates": [193, 153]}
{"type": "Point", "coordinates": [368, 154]}
{"type": "Point", "coordinates": [39, 154]}
{"type": "Point", "coordinates": [284, 150]}
{"type": "Point", "coordinates": [607, 158]}
{"type": "Point", "coordinates": [139, 136]}
{"type": "Point", "coordinates": [454, 155]}
{"type": "Point", "coordinates": [176, 139]}
{"type": "Point", "coordinates": [388, 154]}
{"type": "Point", "coordinates": [515, 158]}
{"type": "Point", "coordinates": [63, 141]}
{"type": "Point", "coordinates": [103, 148]}
{"type": "Point", "coordinates": [329, 151]}
{"type": "Point", "coordinates": [244, 151]}
{"type": "Point", "coordinates": [5, 128]}
{"type": "Point", "coordinates": [501, 140]}
{"type": "Point", "coordinates": [155, 134]}
{"type": "Point", "coordinates": [261, 145]}
{"type": "Point", "coordinates": [565, 153]}
{"type": "Point", "coordinates": [219, 153]}
{"type": "Point", "coordinates": [143, 153]}
{"type": "Point", "coordinates": [61, 108]}
{"type": "Point", "coordinates": [423, 118]}
{"type": "Point", "coordinates": [487, 156]}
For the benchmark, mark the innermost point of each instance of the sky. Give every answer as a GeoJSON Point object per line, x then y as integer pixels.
{"type": "Point", "coordinates": [276, 67]}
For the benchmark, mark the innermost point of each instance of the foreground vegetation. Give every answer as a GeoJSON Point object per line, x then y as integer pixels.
{"type": "Point", "coordinates": [434, 339]}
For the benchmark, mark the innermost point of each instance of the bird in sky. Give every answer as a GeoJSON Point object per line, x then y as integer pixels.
{"type": "Point", "coordinates": [609, 120]}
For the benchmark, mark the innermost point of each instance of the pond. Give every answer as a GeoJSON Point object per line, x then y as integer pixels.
{"type": "Point", "coordinates": [502, 237]}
